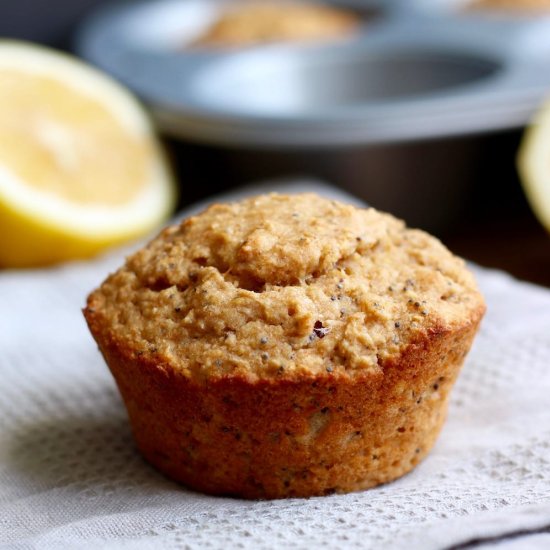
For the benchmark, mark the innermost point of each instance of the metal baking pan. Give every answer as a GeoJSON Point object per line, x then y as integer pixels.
{"type": "Point", "coordinates": [413, 81]}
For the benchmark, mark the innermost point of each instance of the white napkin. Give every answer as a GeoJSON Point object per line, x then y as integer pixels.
{"type": "Point", "coordinates": [71, 478]}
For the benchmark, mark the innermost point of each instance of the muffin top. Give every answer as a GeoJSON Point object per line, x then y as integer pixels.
{"type": "Point", "coordinates": [250, 23]}
{"type": "Point", "coordinates": [283, 286]}
{"type": "Point", "coordinates": [511, 5]}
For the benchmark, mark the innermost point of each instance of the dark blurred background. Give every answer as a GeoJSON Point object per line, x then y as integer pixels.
{"type": "Point", "coordinates": [495, 227]}
{"type": "Point", "coordinates": [46, 21]}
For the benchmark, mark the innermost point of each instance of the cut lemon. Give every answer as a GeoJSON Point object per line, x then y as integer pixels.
{"type": "Point", "coordinates": [534, 165]}
{"type": "Point", "coordinates": [80, 167]}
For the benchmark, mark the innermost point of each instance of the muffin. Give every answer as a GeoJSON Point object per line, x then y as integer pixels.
{"type": "Point", "coordinates": [286, 345]}
{"type": "Point", "coordinates": [262, 22]}
{"type": "Point", "coordinates": [517, 6]}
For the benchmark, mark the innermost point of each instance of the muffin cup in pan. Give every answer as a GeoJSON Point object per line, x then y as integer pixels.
{"type": "Point", "coordinates": [394, 79]}
{"type": "Point", "coordinates": [526, 32]}
{"type": "Point", "coordinates": [512, 11]}
{"type": "Point", "coordinates": [175, 25]}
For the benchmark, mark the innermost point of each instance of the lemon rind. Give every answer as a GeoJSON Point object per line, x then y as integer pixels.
{"type": "Point", "coordinates": [93, 221]}
{"type": "Point", "coordinates": [533, 162]}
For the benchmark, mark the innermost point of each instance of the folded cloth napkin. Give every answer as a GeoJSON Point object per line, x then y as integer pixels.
{"type": "Point", "coordinates": [70, 476]}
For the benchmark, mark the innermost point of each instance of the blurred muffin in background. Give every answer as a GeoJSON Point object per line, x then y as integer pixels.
{"type": "Point", "coordinates": [248, 23]}
{"type": "Point", "coordinates": [511, 5]}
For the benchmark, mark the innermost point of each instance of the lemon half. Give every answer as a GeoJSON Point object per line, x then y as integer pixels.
{"type": "Point", "coordinates": [533, 163]}
{"type": "Point", "coordinates": [80, 167]}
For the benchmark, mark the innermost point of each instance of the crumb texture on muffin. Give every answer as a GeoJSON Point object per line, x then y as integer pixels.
{"type": "Point", "coordinates": [281, 286]}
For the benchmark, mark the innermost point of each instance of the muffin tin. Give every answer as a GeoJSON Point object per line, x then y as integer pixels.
{"type": "Point", "coordinates": [410, 73]}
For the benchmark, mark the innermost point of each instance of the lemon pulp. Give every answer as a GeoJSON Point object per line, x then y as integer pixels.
{"type": "Point", "coordinates": [80, 167]}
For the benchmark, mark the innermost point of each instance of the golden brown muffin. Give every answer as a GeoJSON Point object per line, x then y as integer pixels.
{"type": "Point", "coordinates": [286, 345]}
{"type": "Point", "coordinates": [261, 22]}
{"type": "Point", "coordinates": [516, 6]}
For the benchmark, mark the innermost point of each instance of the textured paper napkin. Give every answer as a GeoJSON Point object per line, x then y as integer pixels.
{"type": "Point", "coordinates": [71, 478]}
